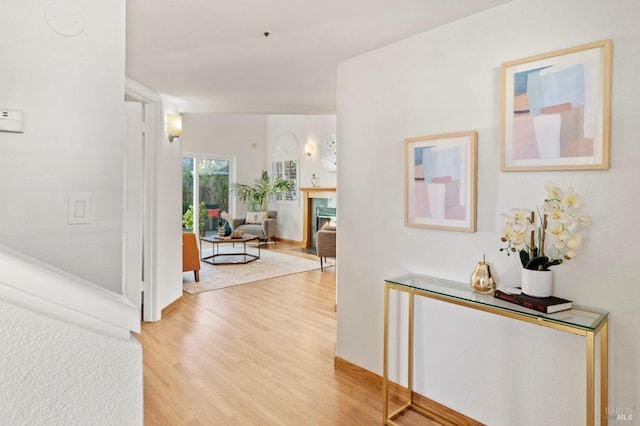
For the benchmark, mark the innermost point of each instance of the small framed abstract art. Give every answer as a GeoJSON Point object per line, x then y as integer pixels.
{"type": "Point", "coordinates": [440, 181]}
{"type": "Point", "coordinates": [555, 110]}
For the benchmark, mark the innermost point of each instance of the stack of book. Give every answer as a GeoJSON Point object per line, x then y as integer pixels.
{"type": "Point", "coordinates": [547, 305]}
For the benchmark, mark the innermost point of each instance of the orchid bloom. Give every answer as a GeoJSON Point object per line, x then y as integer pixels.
{"type": "Point", "coordinates": [574, 241]}
{"type": "Point", "coordinates": [571, 199]}
{"type": "Point", "coordinates": [584, 219]}
{"type": "Point", "coordinates": [555, 227]}
{"type": "Point", "coordinates": [555, 232]}
{"type": "Point", "coordinates": [521, 215]}
{"type": "Point", "coordinates": [553, 191]}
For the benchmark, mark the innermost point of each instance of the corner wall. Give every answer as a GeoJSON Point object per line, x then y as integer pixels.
{"type": "Point", "coordinates": [166, 216]}
{"type": "Point", "coordinates": [445, 80]}
{"type": "Point", "coordinates": [71, 90]}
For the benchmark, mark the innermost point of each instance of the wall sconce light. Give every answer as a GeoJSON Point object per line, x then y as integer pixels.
{"type": "Point", "coordinates": [309, 149]}
{"type": "Point", "coordinates": [174, 126]}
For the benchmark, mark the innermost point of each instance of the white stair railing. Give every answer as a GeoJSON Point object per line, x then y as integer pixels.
{"type": "Point", "coordinates": [36, 286]}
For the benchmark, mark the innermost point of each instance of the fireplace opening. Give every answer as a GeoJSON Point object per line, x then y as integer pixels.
{"type": "Point", "coordinates": [325, 216]}
{"type": "Point", "coordinates": [321, 215]}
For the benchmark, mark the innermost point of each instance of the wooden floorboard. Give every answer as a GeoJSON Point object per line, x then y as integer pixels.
{"type": "Point", "coordinates": [256, 354]}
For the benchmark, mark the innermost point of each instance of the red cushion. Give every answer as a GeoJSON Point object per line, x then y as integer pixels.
{"type": "Point", "coordinates": [213, 213]}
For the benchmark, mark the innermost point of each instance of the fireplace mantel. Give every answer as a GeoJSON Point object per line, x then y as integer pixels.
{"type": "Point", "coordinates": [310, 193]}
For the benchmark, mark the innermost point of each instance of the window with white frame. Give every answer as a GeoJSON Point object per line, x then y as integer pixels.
{"type": "Point", "coordinates": [287, 170]}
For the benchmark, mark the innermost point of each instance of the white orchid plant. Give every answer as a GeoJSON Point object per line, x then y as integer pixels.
{"type": "Point", "coordinates": [551, 240]}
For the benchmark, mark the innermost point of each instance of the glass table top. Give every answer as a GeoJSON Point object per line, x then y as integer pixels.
{"type": "Point", "coordinates": [579, 317]}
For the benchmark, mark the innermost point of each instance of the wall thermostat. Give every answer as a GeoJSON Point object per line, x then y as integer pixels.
{"type": "Point", "coordinates": [11, 121]}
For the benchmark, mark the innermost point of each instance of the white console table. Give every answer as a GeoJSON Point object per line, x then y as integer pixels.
{"type": "Point", "coordinates": [583, 322]}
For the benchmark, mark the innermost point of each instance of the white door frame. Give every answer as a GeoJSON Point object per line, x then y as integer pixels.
{"type": "Point", "coordinates": [133, 223]}
{"type": "Point", "coordinates": [153, 119]}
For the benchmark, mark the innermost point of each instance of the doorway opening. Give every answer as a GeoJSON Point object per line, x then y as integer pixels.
{"type": "Point", "coordinates": [205, 183]}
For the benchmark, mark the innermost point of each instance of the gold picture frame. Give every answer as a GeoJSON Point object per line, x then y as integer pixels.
{"type": "Point", "coordinates": [555, 110]}
{"type": "Point", "coordinates": [440, 181]}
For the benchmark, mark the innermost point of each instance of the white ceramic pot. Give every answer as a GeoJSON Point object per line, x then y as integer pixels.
{"type": "Point", "coordinates": [537, 283]}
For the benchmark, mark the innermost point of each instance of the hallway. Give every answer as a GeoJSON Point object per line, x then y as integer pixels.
{"type": "Point", "coordinates": [255, 354]}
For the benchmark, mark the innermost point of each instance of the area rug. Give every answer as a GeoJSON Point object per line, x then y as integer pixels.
{"type": "Point", "coordinates": [270, 265]}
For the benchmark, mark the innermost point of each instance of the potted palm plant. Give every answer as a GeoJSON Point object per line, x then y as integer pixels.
{"type": "Point", "coordinates": [257, 197]}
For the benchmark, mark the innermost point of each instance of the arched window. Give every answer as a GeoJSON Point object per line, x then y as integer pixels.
{"type": "Point", "coordinates": [284, 163]}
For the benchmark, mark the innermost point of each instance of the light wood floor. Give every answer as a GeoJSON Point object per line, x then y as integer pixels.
{"type": "Point", "coordinates": [256, 354]}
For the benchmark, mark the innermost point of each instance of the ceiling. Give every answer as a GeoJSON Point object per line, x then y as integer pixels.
{"type": "Point", "coordinates": [213, 56]}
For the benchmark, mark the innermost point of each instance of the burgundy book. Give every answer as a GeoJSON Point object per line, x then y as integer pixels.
{"type": "Point", "coordinates": [547, 305]}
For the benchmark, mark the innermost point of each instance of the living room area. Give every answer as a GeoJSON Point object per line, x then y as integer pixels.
{"type": "Point", "coordinates": [242, 147]}
{"type": "Point", "coordinates": [252, 143]}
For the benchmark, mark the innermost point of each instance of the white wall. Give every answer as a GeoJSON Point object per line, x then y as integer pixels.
{"type": "Point", "coordinates": [448, 80]}
{"type": "Point", "coordinates": [71, 91]}
{"type": "Point", "coordinates": [56, 373]}
{"type": "Point", "coordinates": [166, 216]}
{"type": "Point", "coordinates": [303, 129]}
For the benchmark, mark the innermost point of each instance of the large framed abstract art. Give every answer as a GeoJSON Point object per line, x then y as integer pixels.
{"type": "Point", "coordinates": [440, 181]}
{"type": "Point", "coordinates": [556, 110]}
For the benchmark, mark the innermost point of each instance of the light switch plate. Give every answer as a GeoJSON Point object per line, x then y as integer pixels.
{"type": "Point", "coordinates": [79, 208]}
{"type": "Point", "coordinates": [11, 121]}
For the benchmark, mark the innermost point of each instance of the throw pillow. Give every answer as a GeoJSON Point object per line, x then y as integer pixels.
{"type": "Point", "coordinates": [255, 217]}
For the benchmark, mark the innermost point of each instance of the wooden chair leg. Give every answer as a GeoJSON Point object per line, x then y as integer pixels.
{"type": "Point", "coordinates": [197, 275]}
{"type": "Point", "coordinates": [321, 267]}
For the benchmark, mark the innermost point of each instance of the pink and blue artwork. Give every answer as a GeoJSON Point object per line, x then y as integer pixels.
{"type": "Point", "coordinates": [437, 183]}
{"type": "Point", "coordinates": [556, 110]}
{"type": "Point", "coordinates": [440, 181]}
{"type": "Point", "coordinates": [550, 116]}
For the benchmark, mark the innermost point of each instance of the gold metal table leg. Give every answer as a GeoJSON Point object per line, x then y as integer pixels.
{"type": "Point", "coordinates": [603, 334]}
{"type": "Point", "coordinates": [385, 356]}
{"type": "Point", "coordinates": [604, 372]}
{"type": "Point", "coordinates": [410, 350]}
{"type": "Point", "coordinates": [590, 378]}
